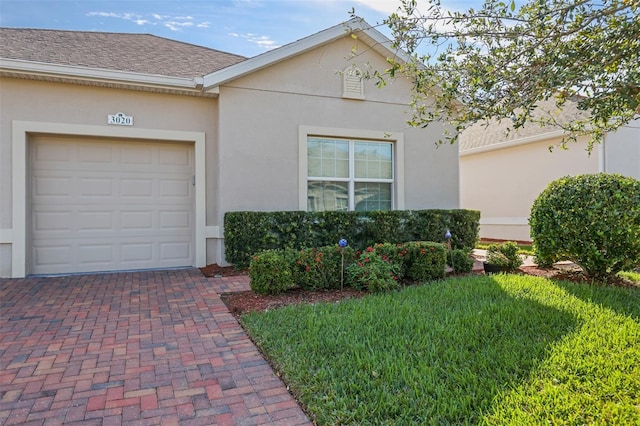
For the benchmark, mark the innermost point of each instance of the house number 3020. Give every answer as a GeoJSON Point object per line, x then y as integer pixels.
{"type": "Point", "coordinates": [120, 119]}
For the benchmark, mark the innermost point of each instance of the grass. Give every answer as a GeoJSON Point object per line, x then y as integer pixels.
{"type": "Point", "coordinates": [526, 249]}
{"type": "Point", "coordinates": [631, 276]}
{"type": "Point", "coordinates": [503, 349]}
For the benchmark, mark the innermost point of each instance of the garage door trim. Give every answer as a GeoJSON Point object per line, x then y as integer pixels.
{"type": "Point", "coordinates": [22, 130]}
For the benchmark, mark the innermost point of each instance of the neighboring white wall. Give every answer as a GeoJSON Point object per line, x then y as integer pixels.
{"type": "Point", "coordinates": [622, 150]}
{"type": "Point", "coordinates": [261, 115]}
{"type": "Point", "coordinates": [503, 183]}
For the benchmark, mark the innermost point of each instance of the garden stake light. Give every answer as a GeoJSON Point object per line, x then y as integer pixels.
{"type": "Point", "coordinates": [342, 243]}
{"type": "Point", "coordinates": [447, 236]}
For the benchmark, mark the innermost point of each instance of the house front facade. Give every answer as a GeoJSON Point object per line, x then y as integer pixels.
{"type": "Point", "coordinates": [125, 159]}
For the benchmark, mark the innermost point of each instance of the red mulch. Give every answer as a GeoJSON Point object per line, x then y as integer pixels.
{"type": "Point", "coordinates": [247, 301]}
{"type": "Point", "coordinates": [216, 271]}
{"type": "Point", "coordinates": [239, 303]}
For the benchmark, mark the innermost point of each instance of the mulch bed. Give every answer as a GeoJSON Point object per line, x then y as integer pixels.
{"type": "Point", "coordinates": [242, 302]}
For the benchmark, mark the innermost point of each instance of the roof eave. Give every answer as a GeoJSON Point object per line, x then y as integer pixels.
{"type": "Point", "coordinates": [511, 143]}
{"type": "Point", "coordinates": [18, 67]}
{"type": "Point", "coordinates": [368, 34]}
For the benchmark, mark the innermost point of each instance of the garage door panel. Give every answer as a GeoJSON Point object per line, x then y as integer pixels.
{"type": "Point", "coordinates": [95, 254]}
{"type": "Point", "coordinates": [175, 187]}
{"type": "Point", "coordinates": [53, 221]}
{"type": "Point", "coordinates": [95, 153]}
{"type": "Point", "coordinates": [175, 220]}
{"type": "Point", "coordinates": [95, 187]}
{"type": "Point", "coordinates": [94, 220]}
{"type": "Point", "coordinates": [116, 205]}
{"type": "Point", "coordinates": [170, 156]}
{"type": "Point", "coordinates": [175, 251]}
{"type": "Point", "coordinates": [58, 255]}
{"type": "Point", "coordinates": [54, 186]}
{"type": "Point", "coordinates": [135, 252]}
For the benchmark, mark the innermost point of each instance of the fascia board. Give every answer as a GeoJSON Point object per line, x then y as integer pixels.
{"type": "Point", "coordinates": [16, 66]}
{"type": "Point", "coordinates": [363, 30]}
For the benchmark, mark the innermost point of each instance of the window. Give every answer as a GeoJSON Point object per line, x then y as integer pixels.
{"type": "Point", "coordinates": [349, 174]}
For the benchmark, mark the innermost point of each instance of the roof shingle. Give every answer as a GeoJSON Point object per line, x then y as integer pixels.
{"type": "Point", "coordinates": [483, 134]}
{"type": "Point", "coordinates": [140, 53]}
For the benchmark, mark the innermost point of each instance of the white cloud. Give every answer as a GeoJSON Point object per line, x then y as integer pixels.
{"type": "Point", "coordinates": [177, 26]}
{"type": "Point", "coordinates": [174, 23]}
{"type": "Point", "coordinates": [105, 14]}
{"type": "Point", "coordinates": [384, 6]}
{"type": "Point", "coordinates": [264, 42]}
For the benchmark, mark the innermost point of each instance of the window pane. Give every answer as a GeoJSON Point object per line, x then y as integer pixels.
{"type": "Point", "coordinates": [327, 196]}
{"type": "Point", "coordinates": [372, 196]}
{"type": "Point", "coordinates": [327, 157]}
{"type": "Point", "coordinates": [373, 160]}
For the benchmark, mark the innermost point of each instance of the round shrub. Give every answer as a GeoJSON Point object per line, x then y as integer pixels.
{"type": "Point", "coordinates": [371, 272]}
{"type": "Point", "coordinates": [460, 261]}
{"type": "Point", "coordinates": [592, 220]}
{"type": "Point", "coordinates": [321, 268]}
{"type": "Point", "coordinates": [270, 272]}
{"type": "Point", "coordinates": [425, 261]}
{"type": "Point", "coordinates": [504, 255]}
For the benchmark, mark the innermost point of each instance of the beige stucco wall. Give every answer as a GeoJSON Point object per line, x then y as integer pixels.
{"type": "Point", "coordinates": [252, 133]}
{"type": "Point", "coordinates": [261, 115]}
{"type": "Point", "coordinates": [503, 183]}
{"type": "Point", "coordinates": [48, 102]}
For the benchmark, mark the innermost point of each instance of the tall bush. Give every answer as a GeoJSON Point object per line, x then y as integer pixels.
{"type": "Point", "coordinates": [592, 220]}
{"type": "Point", "coordinates": [246, 233]}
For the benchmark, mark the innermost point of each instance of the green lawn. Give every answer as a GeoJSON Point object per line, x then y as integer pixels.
{"type": "Point", "coordinates": [504, 349]}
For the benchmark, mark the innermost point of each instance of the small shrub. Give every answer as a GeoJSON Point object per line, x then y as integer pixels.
{"type": "Point", "coordinates": [592, 220]}
{"type": "Point", "coordinates": [371, 272]}
{"type": "Point", "coordinates": [505, 255]}
{"type": "Point", "coordinates": [394, 253]}
{"type": "Point", "coordinates": [460, 260]}
{"type": "Point", "coordinates": [424, 261]}
{"type": "Point", "coordinates": [270, 272]}
{"type": "Point", "coordinates": [320, 268]}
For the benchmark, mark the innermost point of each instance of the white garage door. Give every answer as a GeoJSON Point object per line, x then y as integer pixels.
{"type": "Point", "coordinates": [102, 205]}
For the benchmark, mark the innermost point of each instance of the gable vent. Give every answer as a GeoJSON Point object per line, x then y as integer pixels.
{"type": "Point", "coordinates": [352, 83]}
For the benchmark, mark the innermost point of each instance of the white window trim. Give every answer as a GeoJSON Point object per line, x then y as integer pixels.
{"type": "Point", "coordinates": [398, 202]}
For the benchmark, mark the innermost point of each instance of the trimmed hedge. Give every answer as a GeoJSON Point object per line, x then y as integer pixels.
{"type": "Point", "coordinates": [247, 233]}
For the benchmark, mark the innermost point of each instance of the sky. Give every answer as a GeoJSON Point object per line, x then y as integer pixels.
{"type": "Point", "coordinates": [243, 27]}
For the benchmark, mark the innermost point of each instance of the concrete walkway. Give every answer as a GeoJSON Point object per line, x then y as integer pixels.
{"type": "Point", "coordinates": [140, 348]}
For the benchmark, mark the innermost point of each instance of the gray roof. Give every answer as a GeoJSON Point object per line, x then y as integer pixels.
{"type": "Point", "coordinates": [485, 134]}
{"type": "Point", "coordinates": [140, 53]}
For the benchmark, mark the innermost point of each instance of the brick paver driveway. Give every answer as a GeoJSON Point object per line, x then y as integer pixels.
{"type": "Point", "coordinates": [132, 348]}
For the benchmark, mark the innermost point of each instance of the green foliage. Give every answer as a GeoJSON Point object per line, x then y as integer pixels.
{"type": "Point", "coordinates": [373, 273]}
{"type": "Point", "coordinates": [505, 255]}
{"type": "Point", "coordinates": [424, 261]}
{"type": "Point", "coordinates": [270, 272]}
{"type": "Point", "coordinates": [499, 62]}
{"type": "Point", "coordinates": [592, 220]}
{"type": "Point", "coordinates": [460, 260]}
{"type": "Point", "coordinates": [394, 253]}
{"type": "Point", "coordinates": [246, 233]}
{"type": "Point", "coordinates": [500, 350]}
{"type": "Point", "coordinates": [321, 268]}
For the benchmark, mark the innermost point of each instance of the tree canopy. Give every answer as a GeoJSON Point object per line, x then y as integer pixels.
{"type": "Point", "coordinates": [502, 61]}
